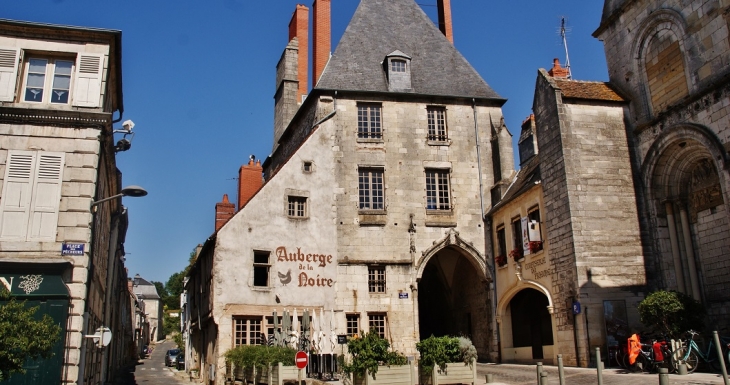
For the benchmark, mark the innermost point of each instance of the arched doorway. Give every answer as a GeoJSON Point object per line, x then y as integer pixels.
{"type": "Point", "coordinates": [531, 322]}
{"type": "Point", "coordinates": [452, 298]}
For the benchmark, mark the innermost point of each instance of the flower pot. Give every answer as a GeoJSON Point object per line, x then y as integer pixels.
{"type": "Point", "coordinates": [387, 375]}
{"type": "Point", "coordinates": [455, 373]}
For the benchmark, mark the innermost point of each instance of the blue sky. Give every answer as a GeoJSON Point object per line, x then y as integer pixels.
{"type": "Point", "coordinates": [199, 81]}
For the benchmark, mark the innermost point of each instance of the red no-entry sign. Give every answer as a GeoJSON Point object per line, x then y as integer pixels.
{"type": "Point", "coordinates": [301, 359]}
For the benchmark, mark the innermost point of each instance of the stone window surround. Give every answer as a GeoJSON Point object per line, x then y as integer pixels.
{"type": "Point", "coordinates": [370, 131]}
{"type": "Point", "coordinates": [377, 279]}
{"type": "Point", "coordinates": [294, 196]}
{"type": "Point", "coordinates": [258, 265]}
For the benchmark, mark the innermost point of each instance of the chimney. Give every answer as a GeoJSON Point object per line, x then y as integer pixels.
{"type": "Point", "coordinates": [557, 71]}
{"type": "Point", "coordinates": [223, 212]}
{"type": "Point", "coordinates": [299, 28]}
{"type": "Point", "coordinates": [250, 181]}
{"type": "Point", "coordinates": [321, 38]}
{"type": "Point", "coordinates": [444, 7]}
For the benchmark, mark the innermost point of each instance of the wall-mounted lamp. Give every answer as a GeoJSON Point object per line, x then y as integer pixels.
{"type": "Point", "coordinates": [125, 144]}
{"type": "Point", "coordinates": [129, 191]}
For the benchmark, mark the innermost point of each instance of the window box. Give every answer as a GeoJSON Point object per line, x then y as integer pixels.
{"type": "Point", "coordinates": [517, 254]}
{"type": "Point", "coordinates": [500, 260]}
{"type": "Point", "coordinates": [535, 246]}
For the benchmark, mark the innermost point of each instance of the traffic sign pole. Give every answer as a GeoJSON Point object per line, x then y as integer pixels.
{"type": "Point", "coordinates": [301, 359]}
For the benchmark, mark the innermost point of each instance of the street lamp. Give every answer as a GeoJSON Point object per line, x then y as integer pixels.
{"type": "Point", "coordinates": [129, 191]}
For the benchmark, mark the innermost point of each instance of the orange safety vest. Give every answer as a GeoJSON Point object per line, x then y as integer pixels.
{"type": "Point", "coordinates": [634, 348]}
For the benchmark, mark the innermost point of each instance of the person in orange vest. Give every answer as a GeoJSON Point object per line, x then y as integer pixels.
{"type": "Point", "coordinates": [634, 348]}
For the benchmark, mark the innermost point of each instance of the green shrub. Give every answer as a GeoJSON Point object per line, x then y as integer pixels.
{"type": "Point", "coordinates": [441, 350]}
{"type": "Point", "coordinates": [370, 351]}
{"type": "Point", "coordinates": [260, 356]}
{"type": "Point", "coordinates": [671, 313]}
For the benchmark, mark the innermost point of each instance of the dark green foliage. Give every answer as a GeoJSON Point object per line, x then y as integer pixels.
{"type": "Point", "coordinates": [178, 338]}
{"type": "Point", "coordinates": [174, 288]}
{"type": "Point", "coordinates": [671, 313]}
{"type": "Point", "coordinates": [370, 351]}
{"type": "Point", "coordinates": [438, 351]}
{"type": "Point", "coordinates": [170, 324]}
{"type": "Point", "coordinates": [23, 336]}
{"type": "Point", "coordinates": [250, 356]}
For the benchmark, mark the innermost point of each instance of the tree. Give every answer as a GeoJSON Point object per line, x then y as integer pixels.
{"type": "Point", "coordinates": [161, 291]}
{"type": "Point", "coordinates": [671, 313]}
{"type": "Point", "coordinates": [23, 336]}
{"type": "Point", "coordinates": [174, 288]}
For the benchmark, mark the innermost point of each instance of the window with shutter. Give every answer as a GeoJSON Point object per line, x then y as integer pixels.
{"type": "Point", "coordinates": [87, 89]}
{"type": "Point", "coordinates": [31, 196]}
{"type": "Point", "coordinates": [8, 73]}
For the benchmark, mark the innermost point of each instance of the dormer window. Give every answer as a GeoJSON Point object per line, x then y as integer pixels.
{"type": "Point", "coordinates": [398, 70]}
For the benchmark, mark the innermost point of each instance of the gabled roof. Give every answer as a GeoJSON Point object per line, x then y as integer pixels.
{"type": "Point", "coordinates": [588, 90]}
{"type": "Point", "coordinates": [528, 176]}
{"type": "Point", "coordinates": [380, 27]}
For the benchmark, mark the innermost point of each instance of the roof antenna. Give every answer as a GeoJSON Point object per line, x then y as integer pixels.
{"type": "Point", "coordinates": [563, 34]}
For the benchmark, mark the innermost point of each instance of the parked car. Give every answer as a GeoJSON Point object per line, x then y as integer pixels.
{"type": "Point", "coordinates": [180, 361]}
{"type": "Point", "coordinates": [170, 357]}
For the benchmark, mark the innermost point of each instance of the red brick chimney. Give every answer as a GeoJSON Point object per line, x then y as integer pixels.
{"type": "Point", "coordinates": [321, 36]}
{"type": "Point", "coordinates": [444, 8]}
{"type": "Point", "coordinates": [299, 28]}
{"type": "Point", "coordinates": [223, 212]}
{"type": "Point", "coordinates": [557, 71]}
{"type": "Point", "coordinates": [249, 181]}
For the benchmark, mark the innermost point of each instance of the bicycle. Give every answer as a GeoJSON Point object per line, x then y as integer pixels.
{"type": "Point", "coordinates": [653, 356]}
{"type": "Point", "coordinates": [690, 353]}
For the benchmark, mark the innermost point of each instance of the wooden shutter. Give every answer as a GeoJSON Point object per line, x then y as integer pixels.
{"type": "Point", "coordinates": [16, 198]}
{"type": "Point", "coordinates": [8, 73]}
{"type": "Point", "coordinates": [46, 197]}
{"type": "Point", "coordinates": [87, 87]}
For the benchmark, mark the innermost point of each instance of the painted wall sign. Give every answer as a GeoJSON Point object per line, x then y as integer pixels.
{"type": "Point", "coordinates": [72, 249]}
{"type": "Point", "coordinates": [539, 268]}
{"type": "Point", "coordinates": [35, 285]}
{"type": "Point", "coordinates": [402, 295]}
{"type": "Point", "coordinates": [309, 265]}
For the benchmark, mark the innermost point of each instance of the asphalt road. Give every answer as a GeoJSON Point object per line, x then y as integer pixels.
{"type": "Point", "coordinates": [152, 370]}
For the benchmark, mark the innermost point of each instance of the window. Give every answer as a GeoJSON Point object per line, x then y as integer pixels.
{"type": "Point", "coordinates": [397, 65]}
{"type": "Point", "coordinates": [437, 124]}
{"type": "Point", "coordinates": [370, 186]}
{"type": "Point", "coordinates": [534, 232]}
{"type": "Point", "coordinates": [516, 233]}
{"type": "Point", "coordinates": [501, 241]}
{"type": "Point", "coordinates": [247, 331]}
{"type": "Point", "coordinates": [437, 190]}
{"type": "Point", "coordinates": [353, 324]}
{"type": "Point", "coordinates": [376, 279]}
{"type": "Point", "coordinates": [368, 121]}
{"type": "Point", "coordinates": [261, 268]}
{"type": "Point", "coordinates": [377, 324]}
{"type": "Point", "coordinates": [48, 80]}
{"type": "Point", "coordinates": [31, 196]}
{"type": "Point", "coordinates": [307, 166]}
{"type": "Point", "coordinates": [297, 207]}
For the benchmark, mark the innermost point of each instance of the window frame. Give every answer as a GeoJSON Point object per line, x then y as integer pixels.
{"type": "Point", "coordinates": [437, 127]}
{"type": "Point", "coordinates": [297, 207]}
{"type": "Point", "coordinates": [352, 324]}
{"type": "Point", "coordinates": [377, 279]}
{"type": "Point", "coordinates": [367, 197]}
{"type": "Point", "coordinates": [516, 227]}
{"type": "Point", "coordinates": [381, 318]}
{"type": "Point", "coordinates": [265, 266]}
{"type": "Point", "coordinates": [370, 127]}
{"type": "Point", "coordinates": [248, 322]}
{"type": "Point", "coordinates": [398, 66]}
{"type": "Point", "coordinates": [438, 188]}
{"type": "Point", "coordinates": [50, 74]}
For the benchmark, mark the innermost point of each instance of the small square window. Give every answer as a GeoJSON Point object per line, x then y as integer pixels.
{"type": "Point", "coordinates": [297, 207]}
{"type": "Point", "coordinates": [376, 279]}
{"type": "Point", "coordinates": [261, 268]}
{"type": "Point", "coordinates": [368, 121]}
{"type": "Point", "coordinates": [397, 65]}
{"type": "Point", "coordinates": [353, 324]}
{"type": "Point", "coordinates": [377, 323]}
{"type": "Point", "coordinates": [307, 166]}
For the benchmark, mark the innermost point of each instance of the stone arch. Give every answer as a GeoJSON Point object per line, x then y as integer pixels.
{"type": "Point", "coordinates": [452, 239]}
{"type": "Point", "coordinates": [519, 286]}
{"type": "Point", "coordinates": [666, 81]}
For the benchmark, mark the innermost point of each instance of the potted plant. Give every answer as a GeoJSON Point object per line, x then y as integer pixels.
{"type": "Point", "coordinates": [535, 246]}
{"type": "Point", "coordinates": [516, 254]}
{"type": "Point", "coordinates": [447, 360]}
{"type": "Point", "coordinates": [501, 260]}
{"type": "Point", "coordinates": [261, 364]}
{"type": "Point", "coordinates": [373, 363]}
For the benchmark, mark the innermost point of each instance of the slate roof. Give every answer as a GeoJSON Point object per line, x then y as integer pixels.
{"type": "Point", "coordinates": [144, 289]}
{"type": "Point", "coordinates": [380, 27]}
{"type": "Point", "coordinates": [588, 90]}
{"type": "Point", "coordinates": [527, 177]}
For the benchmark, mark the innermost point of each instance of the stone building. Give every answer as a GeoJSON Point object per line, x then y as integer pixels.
{"type": "Point", "coordinates": [373, 198]}
{"type": "Point", "coordinates": [566, 234]}
{"type": "Point", "coordinates": [61, 246]}
{"type": "Point", "coordinates": [146, 293]}
{"type": "Point", "coordinates": [671, 59]}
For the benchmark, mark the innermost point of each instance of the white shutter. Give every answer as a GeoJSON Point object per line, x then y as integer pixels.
{"type": "Point", "coordinates": [8, 73]}
{"type": "Point", "coordinates": [46, 197]}
{"type": "Point", "coordinates": [87, 86]}
{"type": "Point", "coordinates": [16, 198]}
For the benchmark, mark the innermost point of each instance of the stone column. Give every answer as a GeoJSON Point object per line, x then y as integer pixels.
{"type": "Point", "coordinates": [690, 254]}
{"type": "Point", "coordinates": [676, 257]}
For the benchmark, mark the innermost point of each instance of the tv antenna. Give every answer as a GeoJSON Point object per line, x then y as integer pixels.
{"type": "Point", "coordinates": [563, 34]}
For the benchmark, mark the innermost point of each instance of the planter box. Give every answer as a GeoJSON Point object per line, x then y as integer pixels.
{"type": "Point", "coordinates": [387, 375]}
{"type": "Point", "coordinates": [279, 373]}
{"type": "Point", "coordinates": [455, 373]}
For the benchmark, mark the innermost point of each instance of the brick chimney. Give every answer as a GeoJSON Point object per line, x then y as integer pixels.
{"type": "Point", "coordinates": [299, 28]}
{"type": "Point", "coordinates": [321, 37]}
{"type": "Point", "coordinates": [250, 180]}
{"type": "Point", "coordinates": [444, 8]}
{"type": "Point", "coordinates": [557, 71]}
{"type": "Point", "coordinates": [223, 212]}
